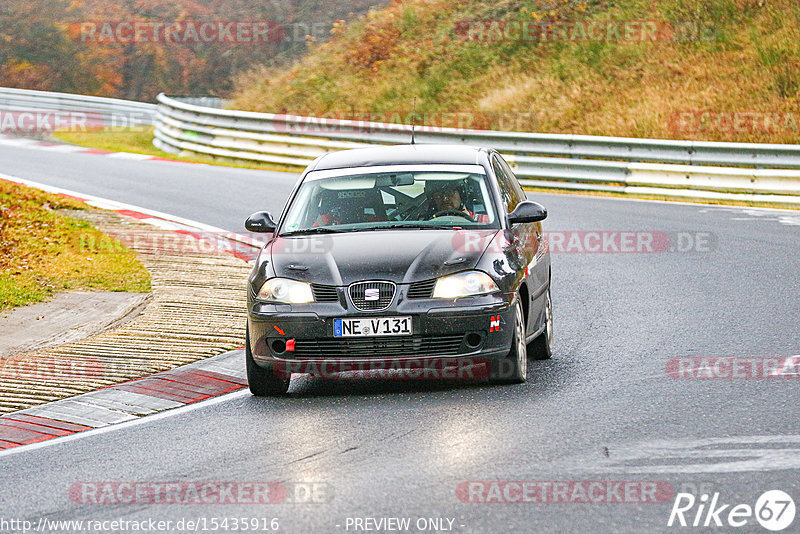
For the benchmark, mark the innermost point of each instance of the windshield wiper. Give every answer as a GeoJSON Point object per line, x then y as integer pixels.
{"type": "Point", "coordinates": [327, 230]}
{"type": "Point", "coordinates": [417, 226]}
{"type": "Point", "coordinates": [396, 226]}
{"type": "Point", "coordinates": [315, 230]}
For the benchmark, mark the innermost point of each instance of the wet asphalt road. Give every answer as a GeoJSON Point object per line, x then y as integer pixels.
{"type": "Point", "coordinates": [603, 409]}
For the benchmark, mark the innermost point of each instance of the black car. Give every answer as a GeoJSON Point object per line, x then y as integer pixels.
{"type": "Point", "coordinates": [397, 257]}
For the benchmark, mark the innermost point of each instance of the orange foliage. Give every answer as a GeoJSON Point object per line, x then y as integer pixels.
{"type": "Point", "coordinates": [42, 44]}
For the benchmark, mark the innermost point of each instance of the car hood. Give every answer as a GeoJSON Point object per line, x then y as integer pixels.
{"type": "Point", "coordinates": [402, 256]}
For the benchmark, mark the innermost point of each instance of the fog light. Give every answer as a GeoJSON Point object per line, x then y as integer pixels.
{"type": "Point", "coordinates": [474, 340]}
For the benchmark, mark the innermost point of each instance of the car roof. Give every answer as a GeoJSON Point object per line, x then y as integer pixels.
{"type": "Point", "coordinates": [402, 155]}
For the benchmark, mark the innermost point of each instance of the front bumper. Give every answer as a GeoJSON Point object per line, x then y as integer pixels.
{"type": "Point", "coordinates": [454, 332]}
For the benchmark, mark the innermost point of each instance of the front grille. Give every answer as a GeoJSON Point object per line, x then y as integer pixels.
{"type": "Point", "coordinates": [359, 290]}
{"type": "Point", "coordinates": [379, 347]}
{"type": "Point", "coordinates": [324, 293]}
{"type": "Point", "coordinates": [421, 290]}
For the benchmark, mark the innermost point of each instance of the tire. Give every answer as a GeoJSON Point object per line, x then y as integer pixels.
{"type": "Point", "coordinates": [262, 381]}
{"type": "Point", "coordinates": [539, 348]}
{"type": "Point", "coordinates": [513, 369]}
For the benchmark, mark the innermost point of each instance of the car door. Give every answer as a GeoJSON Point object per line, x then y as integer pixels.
{"type": "Point", "coordinates": [525, 252]}
{"type": "Point", "coordinates": [515, 236]}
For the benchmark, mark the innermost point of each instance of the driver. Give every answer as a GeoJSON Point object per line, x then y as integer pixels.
{"type": "Point", "coordinates": [445, 195]}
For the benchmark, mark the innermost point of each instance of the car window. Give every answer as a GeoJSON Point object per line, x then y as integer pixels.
{"type": "Point", "coordinates": [512, 179]}
{"type": "Point", "coordinates": [377, 201]}
{"type": "Point", "coordinates": [510, 196]}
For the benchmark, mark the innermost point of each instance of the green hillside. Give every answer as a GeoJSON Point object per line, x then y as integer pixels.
{"type": "Point", "coordinates": [683, 69]}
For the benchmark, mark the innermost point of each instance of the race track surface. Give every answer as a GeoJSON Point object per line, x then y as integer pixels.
{"type": "Point", "coordinates": [603, 409]}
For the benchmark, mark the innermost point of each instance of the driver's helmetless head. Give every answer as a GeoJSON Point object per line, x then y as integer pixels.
{"type": "Point", "coordinates": [444, 196]}
{"type": "Point", "coordinates": [448, 199]}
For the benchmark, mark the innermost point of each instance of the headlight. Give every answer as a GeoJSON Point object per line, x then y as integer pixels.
{"type": "Point", "coordinates": [464, 285]}
{"type": "Point", "coordinates": [286, 291]}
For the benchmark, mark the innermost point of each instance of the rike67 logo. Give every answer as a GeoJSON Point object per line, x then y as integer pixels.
{"type": "Point", "coordinates": [774, 510]}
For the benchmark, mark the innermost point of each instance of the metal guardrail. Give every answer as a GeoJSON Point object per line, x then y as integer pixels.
{"type": "Point", "coordinates": [202, 101]}
{"type": "Point", "coordinates": [661, 167]}
{"type": "Point", "coordinates": [746, 171]}
{"type": "Point", "coordinates": [110, 112]}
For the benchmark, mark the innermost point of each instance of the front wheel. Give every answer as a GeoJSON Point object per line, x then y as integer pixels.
{"type": "Point", "coordinates": [539, 348]}
{"type": "Point", "coordinates": [262, 382]}
{"type": "Point", "coordinates": [513, 369]}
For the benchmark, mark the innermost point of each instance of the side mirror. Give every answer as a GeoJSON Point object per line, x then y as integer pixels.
{"type": "Point", "coordinates": [527, 211]}
{"type": "Point", "coordinates": [260, 222]}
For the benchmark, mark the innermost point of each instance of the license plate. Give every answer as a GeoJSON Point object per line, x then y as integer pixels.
{"type": "Point", "coordinates": [372, 326]}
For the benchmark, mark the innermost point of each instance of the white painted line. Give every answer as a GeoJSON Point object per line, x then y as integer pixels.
{"type": "Point", "coordinates": [21, 143]}
{"type": "Point", "coordinates": [64, 148]}
{"type": "Point", "coordinates": [128, 424]}
{"type": "Point", "coordinates": [129, 155]}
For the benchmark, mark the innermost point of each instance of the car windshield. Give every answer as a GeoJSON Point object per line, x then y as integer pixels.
{"type": "Point", "coordinates": [373, 200]}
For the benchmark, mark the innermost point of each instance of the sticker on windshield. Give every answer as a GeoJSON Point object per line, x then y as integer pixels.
{"type": "Point", "coordinates": [352, 194]}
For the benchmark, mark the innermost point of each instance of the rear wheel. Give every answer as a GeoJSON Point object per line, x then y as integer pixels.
{"type": "Point", "coordinates": [513, 369]}
{"type": "Point", "coordinates": [539, 348]}
{"type": "Point", "coordinates": [262, 381]}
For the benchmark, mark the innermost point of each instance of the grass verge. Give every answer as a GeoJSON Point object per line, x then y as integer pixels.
{"type": "Point", "coordinates": [43, 251]}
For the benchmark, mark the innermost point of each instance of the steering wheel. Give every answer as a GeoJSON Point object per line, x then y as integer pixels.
{"type": "Point", "coordinates": [445, 213]}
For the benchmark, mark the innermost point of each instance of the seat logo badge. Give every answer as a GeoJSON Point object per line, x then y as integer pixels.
{"type": "Point", "coordinates": [494, 323]}
{"type": "Point", "coordinates": [372, 294]}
